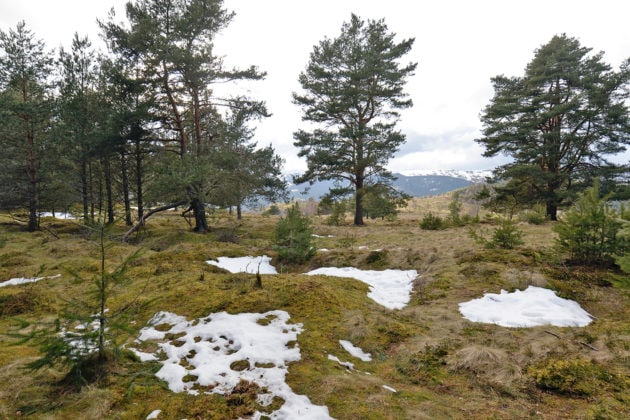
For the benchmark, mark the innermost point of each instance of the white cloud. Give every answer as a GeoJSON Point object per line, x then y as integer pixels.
{"type": "Point", "coordinates": [459, 46]}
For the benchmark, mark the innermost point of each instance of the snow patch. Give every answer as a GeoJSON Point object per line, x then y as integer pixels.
{"type": "Point", "coordinates": [532, 307]}
{"type": "Point", "coordinates": [390, 288]}
{"type": "Point", "coordinates": [154, 414]}
{"type": "Point", "coordinates": [355, 351]}
{"type": "Point", "coordinates": [213, 354]}
{"type": "Point", "coordinates": [21, 280]}
{"type": "Point", "coordinates": [248, 264]}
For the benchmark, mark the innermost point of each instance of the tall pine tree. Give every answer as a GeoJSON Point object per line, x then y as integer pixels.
{"type": "Point", "coordinates": [558, 122]}
{"type": "Point", "coordinates": [26, 115]}
{"type": "Point", "coordinates": [353, 87]}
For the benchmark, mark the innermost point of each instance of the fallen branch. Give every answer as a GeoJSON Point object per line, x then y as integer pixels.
{"type": "Point", "coordinates": [587, 345]}
{"type": "Point", "coordinates": [555, 335]}
{"type": "Point", "coordinates": [149, 214]}
{"type": "Point", "coordinates": [579, 342]}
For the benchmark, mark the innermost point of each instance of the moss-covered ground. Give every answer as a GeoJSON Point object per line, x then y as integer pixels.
{"type": "Point", "coordinates": [441, 365]}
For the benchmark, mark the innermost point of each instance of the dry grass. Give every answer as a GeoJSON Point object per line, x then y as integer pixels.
{"type": "Point", "coordinates": [442, 365]}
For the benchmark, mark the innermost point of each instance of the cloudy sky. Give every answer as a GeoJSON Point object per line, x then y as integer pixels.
{"type": "Point", "coordinates": [459, 45]}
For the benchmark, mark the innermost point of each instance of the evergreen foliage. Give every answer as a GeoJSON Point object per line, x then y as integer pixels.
{"type": "Point", "coordinates": [431, 221]}
{"type": "Point", "coordinates": [294, 237]}
{"type": "Point", "coordinates": [89, 333]}
{"type": "Point", "coordinates": [381, 202]}
{"type": "Point", "coordinates": [589, 231]}
{"type": "Point", "coordinates": [353, 86]}
{"type": "Point", "coordinates": [558, 122]}
{"type": "Point", "coordinates": [506, 236]}
{"type": "Point", "coordinates": [26, 106]}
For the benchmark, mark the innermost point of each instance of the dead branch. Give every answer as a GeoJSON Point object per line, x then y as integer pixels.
{"type": "Point", "coordinates": [149, 214]}
{"type": "Point", "coordinates": [587, 345]}
{"type": "Point", "coordinates": [555, 335]}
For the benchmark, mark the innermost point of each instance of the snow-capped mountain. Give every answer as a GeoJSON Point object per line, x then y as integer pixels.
{"type": "Point", "coordinates": [414, 183]}
{"type": "Point", "coordinates": [474, 176]}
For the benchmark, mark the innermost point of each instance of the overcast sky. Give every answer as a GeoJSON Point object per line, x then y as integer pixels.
{"type": "Point", "coordinates": [459, 45]}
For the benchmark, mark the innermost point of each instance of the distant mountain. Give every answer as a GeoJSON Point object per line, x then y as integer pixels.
{"type": "Point", "coordinates": [416, 184]}
{"type": "Point", "coordinates": [473, 176]}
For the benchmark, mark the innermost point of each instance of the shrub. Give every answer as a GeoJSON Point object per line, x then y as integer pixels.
{"type": "Point", "coordinates": [535, 216]}
{"type": "Point", "coordinates": [506, 236]}
{"type": "Point", "coordinates": [426, 366]}
{"type": "Point", "coordinates": [573, 377]}
{"type": "Point", "coordinates": [294, 237]}
{"type": "Point", "coordinates": [589, 231]}
{"type": "Point", "coordinates": [337, 215]}
{"type": "Point", "coordinates": [273, 210]}
{"type": "Point", "coordinates": [432, 222]}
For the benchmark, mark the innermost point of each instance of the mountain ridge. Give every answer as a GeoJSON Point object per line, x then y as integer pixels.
{"type": "Point", "coordinates": [414, 183]}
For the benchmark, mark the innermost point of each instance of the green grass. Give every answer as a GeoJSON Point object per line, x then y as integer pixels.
{"type": "Point", "coordinates": [442, 365]}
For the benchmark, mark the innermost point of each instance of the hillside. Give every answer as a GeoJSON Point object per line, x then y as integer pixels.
{"type": "Point", "coordinates": [427, 360]}
{"type": "Point", "coordinates": [419, 184]}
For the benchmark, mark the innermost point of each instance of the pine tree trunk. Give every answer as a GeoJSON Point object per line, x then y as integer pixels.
{"type": "Point", "coordinates": [552, 211]}
{"type": "Point", "coordinates": [139, 173]}
{"type": "Point", "coordinates": [125, 188]}
{"type": "Point", "coordinates": [358, 209]}
{"type": "Point", "coordinates": [109, 198]}
{"type": "Point", "coordinates": [84, 191]}
{"type": "Point", "coordinates": [199, 211]}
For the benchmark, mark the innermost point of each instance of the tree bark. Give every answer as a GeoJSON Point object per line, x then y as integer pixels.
{"type": "Point", "coordinates": [109, 198]}
{"type": "Point", "coordinates": [139, 173]}
{"type": "Point", "coordinates": [199, 211]}
{"type": "Point", "coordinates": [358, 209]}
{"type": "Point", "coordinates": [125, 188]}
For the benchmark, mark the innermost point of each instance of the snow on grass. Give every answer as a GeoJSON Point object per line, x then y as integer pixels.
{"type": "Point", "coordinates": [21, 280]}
{"type": "Point", "coordinates": [390, 288]}
{"type": "Point", "coordinates": [355, 351]}
{"type": "Point", "coordinates": [66, 216]}
{"type": "Point", "coordinates": [220, 350]}
{"type": "Point", "coordinates": [348, 365]}
{"type": "Point", "coordinates": [154, 414]}
{"type": "Point", "coordinates": [249, 264]}
{"type": "Point", "coordinates": [532, 307]}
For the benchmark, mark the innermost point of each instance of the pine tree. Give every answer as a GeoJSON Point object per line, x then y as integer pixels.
{"type": "Point", "coordinates": [353, 87]}
{"type": "Point", "coordinates": [558, 122]}
{"type": "Point", "coordinates": [26, 115]}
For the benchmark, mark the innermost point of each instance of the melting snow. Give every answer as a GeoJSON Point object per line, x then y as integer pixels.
{"type": "Point", "coordinates": [221, 349]}
{"type": "Point", "coordinates": [348, 365]}
{"type": "Point", "coordinates": [532, 307]}
{"type": "Point", "coordinates": [390, 288]}
{"type": "Point", "coordinates": [67, 216]}
{"type": "Point", "coordinates": [250, 264]}
{"type": "Point", "coordinates": [355, 351]}
{"type": "Point", "coordinates": [22, 280]}
{"type": "Point", "coordinates": [154, 414]}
